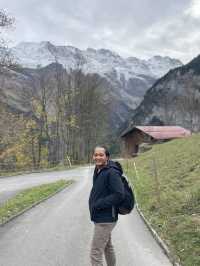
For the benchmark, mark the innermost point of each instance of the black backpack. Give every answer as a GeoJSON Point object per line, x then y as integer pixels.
{"type": "Point", "coordinates": [127, 205]}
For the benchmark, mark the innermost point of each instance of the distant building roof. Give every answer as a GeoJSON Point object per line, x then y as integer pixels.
{"type": "Point", "coordinates": [161, 132]}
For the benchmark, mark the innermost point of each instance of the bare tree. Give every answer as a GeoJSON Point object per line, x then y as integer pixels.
{"type": "Point", "coordinates": [6, 21]}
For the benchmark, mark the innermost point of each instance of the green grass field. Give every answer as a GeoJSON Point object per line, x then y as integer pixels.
{"type": "Point", "coordinates": [167, 186]}
{"type": "Point", "coordinates": [28, 198]}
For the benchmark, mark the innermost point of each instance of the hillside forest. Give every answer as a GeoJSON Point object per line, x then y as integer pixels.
{"type": "Point", "coordinates": [67, 117]}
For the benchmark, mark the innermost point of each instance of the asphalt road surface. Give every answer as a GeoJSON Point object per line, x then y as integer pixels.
{"type": "Point", "coordinates": [58, 231]}
{"type": "Point", "coordinates": [9, 186]}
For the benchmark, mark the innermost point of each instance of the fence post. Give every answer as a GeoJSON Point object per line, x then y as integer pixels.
{"type": "Point", "coordinates": [69, 161]}
{"type": "Point", "coordinates": [157, 182]}
{"type": "Point", "coordinates": [136, 172]}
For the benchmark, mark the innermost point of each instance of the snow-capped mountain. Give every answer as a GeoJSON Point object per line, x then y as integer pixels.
{"type": "Point", "coordinates": [126, 79]}
{"type": "Point", "coordinates": [101, 61]}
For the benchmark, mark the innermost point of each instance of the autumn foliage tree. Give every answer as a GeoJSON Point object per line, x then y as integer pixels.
{"type": "Point", "coordinates": [67, 117]}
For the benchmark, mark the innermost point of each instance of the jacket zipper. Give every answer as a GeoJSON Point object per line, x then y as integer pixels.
{"type": "Point", "coordinates": [113, 212]}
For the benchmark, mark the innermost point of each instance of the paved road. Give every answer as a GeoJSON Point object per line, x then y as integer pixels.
{"type": "Point", "coordinates": [58, 232]}
{"type": "Point", "coordinates": [9, 186]}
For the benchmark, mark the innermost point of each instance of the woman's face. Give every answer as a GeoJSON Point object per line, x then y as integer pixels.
{"type": "Point", "coordinates": [100, 157]}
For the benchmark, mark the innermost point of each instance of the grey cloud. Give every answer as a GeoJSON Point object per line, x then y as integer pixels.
{"type": "Point", "coordinates": [130, 27]}
{"type": "Point", "coordinates": [178, 38]}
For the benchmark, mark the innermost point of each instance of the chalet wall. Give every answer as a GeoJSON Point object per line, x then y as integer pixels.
{"type": "Point", "coordinates": [131, 143]}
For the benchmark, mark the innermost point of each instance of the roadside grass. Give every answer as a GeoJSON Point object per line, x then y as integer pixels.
{"type": "Point", "coordinates": [167, 187]}
{"type": "Point", "coordinates": [29, 197]}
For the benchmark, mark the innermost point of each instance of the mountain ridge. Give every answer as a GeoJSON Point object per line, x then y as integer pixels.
{"type": "Point", "coordinates": [173, 99]}
{"type": "Point", "coordinates": [100, 60]}
{"type": "Point", "coordinates": [126, 79]}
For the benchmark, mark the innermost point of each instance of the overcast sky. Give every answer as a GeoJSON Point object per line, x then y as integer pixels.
{"type": "Point", "coordinates": [140, 28]}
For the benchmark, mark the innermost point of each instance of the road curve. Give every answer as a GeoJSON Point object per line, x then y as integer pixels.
{"type": "Point", "coordinates": [58, 232]}
{"type": "Point", "coordinates": [9, 186]}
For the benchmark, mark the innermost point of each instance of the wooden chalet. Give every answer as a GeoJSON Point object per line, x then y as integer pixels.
{"type": "Point", "coordinates": [137, 135]}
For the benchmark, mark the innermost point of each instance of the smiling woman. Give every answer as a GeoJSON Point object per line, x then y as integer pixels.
{"type": "Point", "coordinates": [101, 156]}
{"type": "Point", "coordinates": [107, 191]}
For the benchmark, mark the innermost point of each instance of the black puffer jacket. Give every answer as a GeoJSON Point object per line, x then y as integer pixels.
{"type": "Point", "coordinates": [106, 193]}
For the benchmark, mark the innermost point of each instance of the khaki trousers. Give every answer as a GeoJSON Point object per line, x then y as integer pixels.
{"type": "Point", "coordinates": [102, 244]}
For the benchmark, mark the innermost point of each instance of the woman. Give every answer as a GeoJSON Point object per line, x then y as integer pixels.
{"type": "Point", "coordinates": [107, 192]}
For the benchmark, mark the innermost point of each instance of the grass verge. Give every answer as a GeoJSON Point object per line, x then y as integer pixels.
{"type": "Point", "coordinates": [166, 180]}
{"type": "Point", "coordinates": [28, 198]}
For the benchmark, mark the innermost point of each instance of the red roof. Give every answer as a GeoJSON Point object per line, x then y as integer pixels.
{"type": "Point", "coordinates": [163, 132]}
